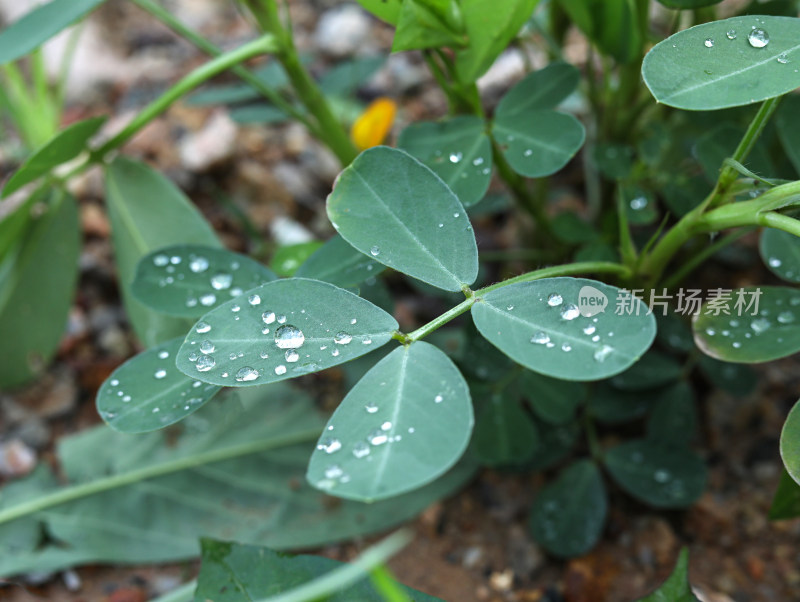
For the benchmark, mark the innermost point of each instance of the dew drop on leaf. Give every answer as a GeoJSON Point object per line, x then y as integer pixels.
{"type": "Point", "coordinates": [570, 312]}
{"type": "Point", "coordinates": [540, 338]}
{"type": "Point", "coordinates": [554, 300]}
{"type": "Point", "coordinates": [160, 374]}
{"type": "Point", "coordinates": [202, 327]}
{"type": "Point", "coordinates": [758, 38]}
{"type": "Point", "coordinates": [375, 251]}
{"type": "Point", "coordinates": [292, 356]}
{"type": "Point", "coordinates": [760, 325]}
{"type": "Point", "coordinates": [731, 34]}
{"type": "Point", "coordinates": [289, 337]}
{"type": "Point", "coordinates": [360, 449]}
{"type": "Point", "coordinates": [221, 281]}
{"type": "Point", "coordinates": [198, 264]}
{"type": "Point", "coordinates": [371, 408]}
{"type": "Point", "coordinates": [246, 374]}
{"type": "Point", "coordinates": [708, 43]}
{"type": "Point", "coordinates": [280, 370]}
{"type": "Point", "coordinates": [205, 363]}
{"type": "Point", "coordinates": [601, 354]}
{"type": "Point", "coordinates": [160, 260]}
{"type": "Point", "coordinates": [342, 338]}
{"type": "Point", "coordinates": [254, 299]}
{"type": "Point", "coordinates": [329, 445]}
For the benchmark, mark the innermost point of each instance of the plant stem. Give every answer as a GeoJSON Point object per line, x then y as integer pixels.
{"type": "Point", "coordinates": [779, 221]}
{"type": "Point", "coordinates": [76, 492]}
{"type": "Point", "coordinates": [700, 257]}
{"type": "Point", "coordinates": [591, 435]}
{"type": "Point", "coordinates": [331, 130]}
{"type": "Point", "coordinates": [200, 42]}
{"type": "Point", "coordinates": [264, 44]}
{"type": "Point", "coordinates": [588, 267]}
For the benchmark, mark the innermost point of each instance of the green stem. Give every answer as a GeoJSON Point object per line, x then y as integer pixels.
{"type": "Point", "coordinates": [780, 222]}
{"type": "Point", "coordinates": [331, 130]}
{"type": "Point", "coordinates": [76, 492]}
{"type": "Point", "coordinates": [262, 45]}
{"type": "Point", "coordinates": [200, 42]}
{"type": "Point", "coordinates": [588, 267]}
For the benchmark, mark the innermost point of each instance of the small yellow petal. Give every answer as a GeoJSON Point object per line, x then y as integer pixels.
{"type": "Point", "coordinates": [373, 125]}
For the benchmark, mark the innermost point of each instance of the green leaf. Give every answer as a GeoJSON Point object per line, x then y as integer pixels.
{"type": "Point", "coordinates": [571, 229]}
{"type": "Point", "coordinates": [554, 401]}
{"type": "Point", "coordinates": [191, 280]}
{"type": "Point", "coordinates": [787, 120]}
{"type": "Point", "coordinates": [339, 263]}
{"type": "Point", "coordinates": [540, 90]}
{"type": "Point", "coordinates": [272, 75]}
{"type": "Point", "coordinates": [288, 259]}
{"type": "Point", "coordinates": [538, 324]}
{"type": "Point", "coordinates": [612, 406]}
{"type": "Point", "coordinates": [148, 212]}
{"type": "Point", "coordinates": [673, 420]}
{"type": "Point", "coordinates": [457, 150]}
{"type": "Point", "coordinates": [742, 337]}
{"type": "Point", "coordinates": [720, 143]}
{"type": "Point", "coordinates": [611, 24]}
{"type": "Point", "coordinates": [385, 10]}
{"type": "Point", "coordinates": [390, 206]}
{"type": "Point", "coordinates": [568, 515]}
{"type": "Point", "coordinates": [406, 422]}
{"type": "Point", "coordinates": [67, 145]}
{"type": "Point", "coordinates": [258, 113]}
{"type": "Point", "coordinates": [427, 24]}
{"type": "Point", "coordinates": [538, 143]}
{"type": "Point", "coordinates": [688, 4]}
{"type": "Point", "coordinates": [683, 72]}
{"type": "Point", "coordinates": [39, 25]}
{"type": "Point", "coordinates": [285, 329]}
{"type": "Point", "coordinates": [148, 392]}
{"type": "Point", "coordinates": [37, 284]}
{"type": "Point", "coordinates": [663, 477]}
{"type": "Point", "coordinates": [345, 78]}
{"type": "Point", "coordinates": [555, 444]}
{"type": "Point", "coordinates": [786, 503]}
{"type": "Point", "coordinates": [234, 469]}
{"type": "Point", "coordinates": [615, 161]}
{"type": "Point", "coordinates": [676, 588]}
{"type": "Point", "coordinates": [654, 370]}
{"type": "Point", "coordinates": [232, 572]}
{"type": "Point", "coordinates": [489, 32]}
{"type": "Point", "coordinates": [790, 443]}
{"type": "Point", "coordinates": [505, 434]}
{"type": "Point", "coordinates": [735, 379]}
{"type": "Point", "coordinates": [780, 251]}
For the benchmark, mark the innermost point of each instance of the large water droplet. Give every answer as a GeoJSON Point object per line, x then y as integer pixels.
{"type": "Point", "coordinates": [554, 299]}
{"type": "Point", "coordinates": [329, 445]}
{"type": "Point", "coordinates": [254, 299]}
{"type": "Point", "coordinates": [708, 43]}
{"type": "Point", "coordinates": [205, 363]}
{"type": "Point", "coordinates": [760, 325]}
{"type": "Point", "coordinates": [758, 38]}
{"type": "Point", "coordinates": [202, 327]}
{"type": "Point", "coordinates": [221, 281]}
{"type": "Point", "coordinates": [198, 264]}
{"type": "Point", "coordinates": [289, 337]}
{"type": "Point", "coordinates": [246, 374]}
{"type": "Point", "coordinates": [540, 338]}
{"type": "Point", "coordinates": [207, 346]}
{"type": "Point", "coordinates": [342, 338]}
{"type": "Point", "coordinates": [570, 312]}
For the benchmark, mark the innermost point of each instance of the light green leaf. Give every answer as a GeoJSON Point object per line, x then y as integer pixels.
{"type": "Point", "coordinates": [67, 145]}
{"type": "Point", "coordinates": [554, 401]}
{"type": "Point", "coordinates": [505, 434]}
{"type": "Point", "coordinates": [234, 470]}
{"type": "Point", "coordinates": [345, 78]}
{"type": "Point", "coordinates": [285, 329]}
{"type": "Point", "coordinates": [390, 206]}
{"type": "Point", "coordinates": [489, 31]}
{"type": "Point", "coordinates": [673, 420]}
{"type": "Point", "coordinates": [703, 69]}
{"type": "Point", "coordinates": [385, 10]}
{"type": "Point", "coordinates": [148, 212]}
{"type": "Point", "coordinates": [148, 392]}
{"type": "Point", "coordinates": [780, 251]}
{"type": "Point", "coordinates": [742, 337]}
{"type": "Point", "coordinates": [339, 263]}
{"type": "Point", "coordinates": [787, 120]}
{"type": "Point", "coordinates": [538, 143]}
{"type": "Point", "coordinates": [663, 477]}
{"type": "Point", "coordinates": [232, 572]}
{"type": "Point", "coordinates": [457, 150]}
{"type": "Point", "coordinates": [676, 588]}
{"type": "Point", "coordinates": [407, 421]}
{"type": "Point", "coordinates": [288, 259]}
{"type": "Point", "coordinates": [720, 143]}
{"type": "Point", "coordinates": [538, 324]}
{"type": "Point", "coordinates": [191, 280]}
{"type": "Point", "coordinates": [39, 25]}
{"type": "Point", "coordinates": [568, 515]}
{"type": "Point", "coordinates": [688, 4]}
{"type": "Point", "coordinates": [427, 24]}
{"type": "Point", "coordinates": [37, 284]}
{"type": "Point", "coordinates": [540, 90]}
{"type": "Point", "coordinates": [654, 370]}
{"type": "Point", "coordinates": [786, 503]}
{"type": "Point", "coordinates": [611, 24]}
{"type": "Point", "coordinates": [790, 443]}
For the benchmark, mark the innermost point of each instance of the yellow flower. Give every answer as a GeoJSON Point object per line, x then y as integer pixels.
{"type": "Point", "coordinates": [373, 125]}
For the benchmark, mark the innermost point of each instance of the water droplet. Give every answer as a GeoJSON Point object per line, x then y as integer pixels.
{"type": "Point", "coordinates": [221, 281]}
{"type": "Point", "coordinates": [782, 59]}
{"type": "Point", "coordinates": [268, 317]}
{"type": "Point", "coordinates": [292, 356]}
{"type": "Point", "coordinates": [477, 161]}
{"type": "Point", "coordinates": [329, 445]}
{"type": "Point", "coordinates": [342, 338]}
{"type": "Point", "coordinates": [360, 449]}
{"type": "Point", "coordinates": [601, 354]}
{"type": "Point", "coordinates": [371, 408]}
{"type": "Point", "coordinates": [456, 214]}
{"type": "Point", "coordinates": [662, 476]}
{"type": "Point", "coordinates": [205, 363]}
{"type": "Point", "coordinates": [163, 355]}
{"type": "Point", "coordinates": [760, 325]}
{"type": "Point", "coordinates": [455, 157]}
{"type": "Point", "coordinates": [254, 299]}
{"type": "Point", "coordinates": [156, 410]}
{"type": "Point", "coordinates": [708, 43]}
{"type": "Point", "coordinates": [280, 370]}
{"type": "Point", "coordinates": [160, 260]}
{"type": "Point", "coordinates": [206, 346]}
{"type": "Point", "coordinates": [540, 338]}
{"type": "Point", "coordinates": [736, 344]}
{"type": "Point", "coordinates": [386, 426]}
{"type": "Point", "coordinates": [509, 308]}
{"type": "Point", "coordinates": [774, 262]}
{"type": "Point", "coordinates": [566, 347]}
{"type": "Point", "coordinates": [589, 330]}
{"type": "Point", "coordinates": [639, 203]}
{"type": "Point", "coordinates": [235, 308]}
{"type": "Point", "coordinates": [366, 341]}
{"type": "Point", "coordinates": [786, 317]}
{"type": "Point", "coordinates": [160, 374]}
{"type": "Point", "coordinates": [528, 152]}
{"type": "Point", "coordinates": [353, 321]}
{"type": "Point", "coordinates": [289, 337]}
{"type": "Point", "coordinates": [198, 264]}
{"type": "Point", "coordinates": [193, 357]}
{"type": "Point", "coordinates": [246, 374]}
{"type": "Point", "coordinates": [208, 299]}
{"type": "Point", "coordinates": [758, 38]}
{"type": "Point", "coordinates": [375, 251]}
{"type": "Point", "coordinates": [335, 353]}
{"type": "Point", "coordinates": [554, 300]}
{"type": "Point", "coordinates": [731, 34]}
{"type": "Point", "coordinates": [570, 312]}
{"type": "Point", "coordinates": [334, 471]}
{"type": "Point", "coordinates": [202, 327]}
{"type": "Point", "coordinates": [114, 383]}
{"type": "Point", "coordinates": [710, 332]}
{"type": "Point", "coordinates": [126, 398]}
{"type": "Point", "coordinates": [377, 437]}
{"type": "Point", "coordinates": [438, 399]}
{"type": "Point", "coordinates": [281, 319]}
